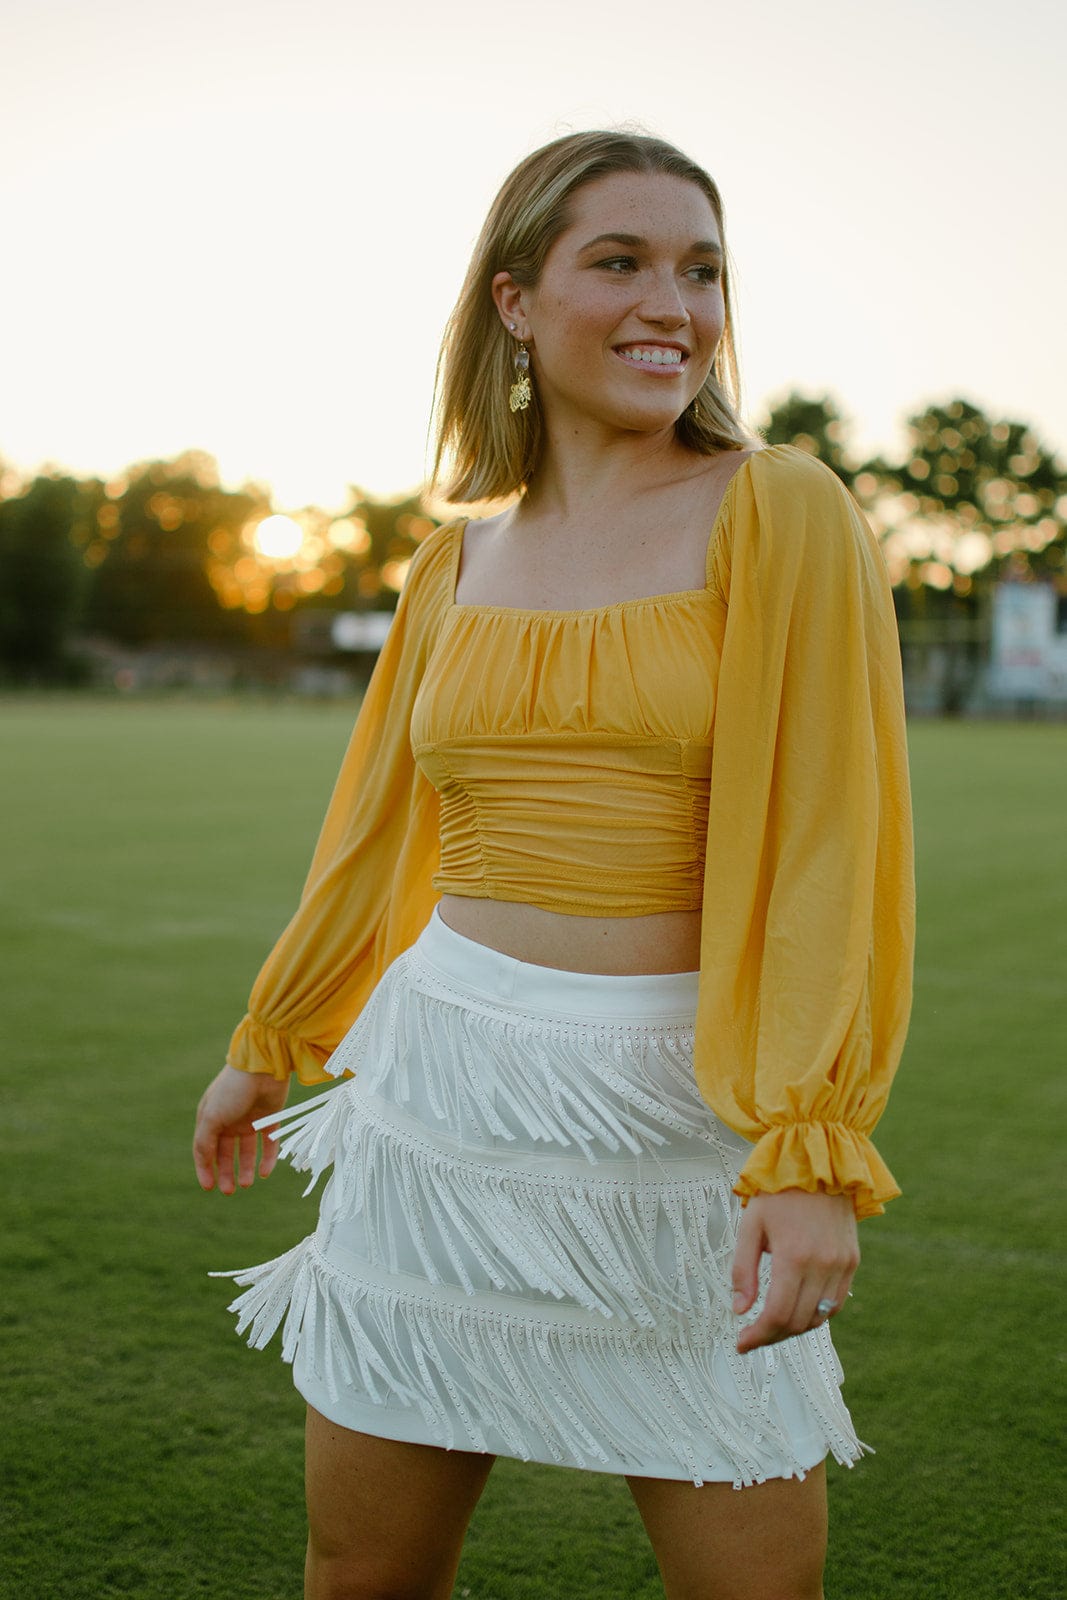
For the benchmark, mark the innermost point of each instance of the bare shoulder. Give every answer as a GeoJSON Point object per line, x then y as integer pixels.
{"type": "Point", "coordinates": [733, 460]}
{"type": "Point", "coordinates": [720, 471]}
{"type": "Point", "coordinates": [480, 530]}
{"type": "Point", "coordinates": [479, 557]}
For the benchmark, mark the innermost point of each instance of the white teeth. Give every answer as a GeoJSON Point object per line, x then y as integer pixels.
{"type": "Point", "coordinates": [653, 355]}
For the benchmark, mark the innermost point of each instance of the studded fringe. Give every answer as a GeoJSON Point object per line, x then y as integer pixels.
{"type": "Point", "coordinates": [504, 1373]}
{"type": "Point", "coordinates": [526, 1239]}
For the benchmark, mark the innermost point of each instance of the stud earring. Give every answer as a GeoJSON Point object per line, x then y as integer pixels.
{"type": "Point", "coordinates": [520, 389]}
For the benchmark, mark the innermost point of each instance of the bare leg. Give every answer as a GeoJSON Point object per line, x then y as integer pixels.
{"type": "Point", "coordinates": [386, 1521]}
{"type": "Point", "coordinates": [767, 1542]}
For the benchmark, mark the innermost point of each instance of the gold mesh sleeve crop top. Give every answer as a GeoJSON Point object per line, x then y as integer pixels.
{"type": "Point", "coordinates": [738, 749]}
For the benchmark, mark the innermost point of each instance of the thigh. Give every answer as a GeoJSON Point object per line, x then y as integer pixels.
{"type": "Point", "coordinates": [767, 1542]}
{"type": "Point", "coordinates": [384, 1517]}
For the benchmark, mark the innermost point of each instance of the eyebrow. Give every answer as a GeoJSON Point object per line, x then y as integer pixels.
{"type": "Point", "coordinates": [702, 247]}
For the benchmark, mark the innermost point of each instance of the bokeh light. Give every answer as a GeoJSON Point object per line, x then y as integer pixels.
{"type": "Point", "coordinates": [278, 537]}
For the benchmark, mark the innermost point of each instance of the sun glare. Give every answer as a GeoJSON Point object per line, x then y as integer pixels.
{"type": "Point", "coordinates": [279, 538]}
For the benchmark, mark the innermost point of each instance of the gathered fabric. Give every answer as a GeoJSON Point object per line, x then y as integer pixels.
{"type": "Point", "coordinates": [525, 1241]}
{"type": "Point", "coordinates": [738, 749]}
{"type": "Point", "coordinates": [571, 753]}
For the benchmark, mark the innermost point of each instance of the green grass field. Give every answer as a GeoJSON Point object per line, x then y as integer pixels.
{"type": "Point", "coordinates": [150, 854]}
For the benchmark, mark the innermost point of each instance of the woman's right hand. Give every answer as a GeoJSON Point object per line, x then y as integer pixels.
{"type": "Point", "coordinates": [228, 1107]}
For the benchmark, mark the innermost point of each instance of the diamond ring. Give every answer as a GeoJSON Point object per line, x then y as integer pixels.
{"type": "Point", "coordinates": [825, 1307]}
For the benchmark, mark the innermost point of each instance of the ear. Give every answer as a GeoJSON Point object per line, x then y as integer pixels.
{"type": "Point", "coordinates": [510, 302]}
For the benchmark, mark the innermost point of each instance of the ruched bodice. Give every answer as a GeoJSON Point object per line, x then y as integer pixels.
{"type": "Point", "coordinates": [571, 751]}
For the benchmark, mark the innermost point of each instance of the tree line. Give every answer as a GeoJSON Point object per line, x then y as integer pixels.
{"type": "Point", "coordinates": [164, 554]}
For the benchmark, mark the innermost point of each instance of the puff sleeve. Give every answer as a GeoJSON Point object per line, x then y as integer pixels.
{"type": "Point", "coordinates": [368, 893]}
{"type": "Point", "coordinates": [808, 907]}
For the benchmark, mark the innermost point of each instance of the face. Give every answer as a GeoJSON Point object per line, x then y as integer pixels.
{"type": "Point", "coordinates": [624, 324]}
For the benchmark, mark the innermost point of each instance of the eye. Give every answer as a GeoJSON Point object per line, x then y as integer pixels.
{"type": "Point", "coordinates": [706, 272]}
{"type": "Point", "coordinates": [619, 264]}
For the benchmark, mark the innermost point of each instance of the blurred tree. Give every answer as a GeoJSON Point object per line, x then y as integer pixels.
{"type": "Point", "coordinates": [12, 481]}
{"type": "Point", "coordinates": [971, 497]}
{"type": "Point", "coordinates": [369, 547]}
{"type": "Point", "coordinates": [972, 501]}
{"type": "Point", "coordinates": [163, 543]}
{"type": "Point", "coordinates": [394, 529]}
{"type": "Point", "coordinates": [163, 553]}
{"type": "Point", "coordinates": [812, 423]}
{"type": "Point", "coordinates": [41, 580]}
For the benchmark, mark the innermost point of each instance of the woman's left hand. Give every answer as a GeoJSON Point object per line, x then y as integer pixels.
{"type": "Point", "coordinates": [811, 1239]}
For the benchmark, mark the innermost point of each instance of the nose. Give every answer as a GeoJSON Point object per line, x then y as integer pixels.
{"type": "Point", "coordinates": [664, 304]}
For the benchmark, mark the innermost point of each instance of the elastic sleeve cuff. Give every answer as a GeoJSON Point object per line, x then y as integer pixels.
{"type": "Point", "coordinates": [826, 1156]}
{"type": "Point", "coordinates": [257, 1047]}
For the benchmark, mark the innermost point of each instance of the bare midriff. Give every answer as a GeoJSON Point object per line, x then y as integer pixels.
{"type": "Point", "coordinates": [664, 941]}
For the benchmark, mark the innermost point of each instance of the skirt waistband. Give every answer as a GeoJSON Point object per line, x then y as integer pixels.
{"type": "Point", "coordinates": [494, 976]}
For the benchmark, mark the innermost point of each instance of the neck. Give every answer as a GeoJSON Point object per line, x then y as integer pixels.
{"type": "Point", "coordinates": [587, 465]}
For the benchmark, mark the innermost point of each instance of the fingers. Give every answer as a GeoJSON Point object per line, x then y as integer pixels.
{"type": "Point", "coordinates": [832, 1299]}
{"type": "Point", "coordinates": [225, 1144]}
{"type": "Point", "coordinates": [811, 1239]}
{"type": "Point", "coordinates": [235, 1156]}
{"type": "Point", "coordinates": [237, 1160]}
{"type": "Point", "coordinates": [226, 1147]}
{"type": "Point", "coordinates": [819, 1302]}
{"type": "Point", "coordinates": [204, 1160]}
{"type": "Point", "coordinates": [749, 1248]}
{"type": "Point", "coordinates": [203, 1148]}
{"type": "Point", "coordinates": [782, 1315]}
{"type": "Point", "coordinates": [246, 1157]}
{"type": "Point", "coordinates": [792, 1305]}
{"type": "Point", "coordinates": [269, 1155]}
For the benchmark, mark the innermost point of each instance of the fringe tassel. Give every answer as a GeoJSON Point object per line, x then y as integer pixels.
{"type": "Point", "coordinates": [542, 1384]}
{"type": "Point", "coordinates": [486, 1074]}
{"type": "Point", "coordinates": [457, 1224]}
{"type": "Point", "coordinates": [491, 1076]}
{"type": "Point", "coordinates": [313, 1131]}
{"type": "Point", "coordinates": [526, 1223]}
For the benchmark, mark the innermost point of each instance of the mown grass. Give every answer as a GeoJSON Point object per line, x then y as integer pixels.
{"type": "Point", "coordinates": [150, 853]}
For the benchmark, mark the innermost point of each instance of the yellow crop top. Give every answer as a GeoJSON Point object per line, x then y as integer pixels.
{"type": "Point", "coordinates": [806, 888]}
{"type": "Point", "coordinates": [571, 751]}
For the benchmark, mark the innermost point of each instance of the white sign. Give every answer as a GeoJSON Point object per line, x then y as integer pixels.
{"type": "Point", "coordinates": [1024, 641]}
{"type": "Point", "coordinates": [360, 630]}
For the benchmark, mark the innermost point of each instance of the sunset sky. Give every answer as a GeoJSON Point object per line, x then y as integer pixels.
{"type": "Point", "coordinates": [239, 225]}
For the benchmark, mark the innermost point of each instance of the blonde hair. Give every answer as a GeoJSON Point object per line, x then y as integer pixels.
{"type": "Point", "coordinates": [494, 452]}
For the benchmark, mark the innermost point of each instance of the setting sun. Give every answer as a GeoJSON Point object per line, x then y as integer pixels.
{"type": "Point", "coordinates": [279, 538]}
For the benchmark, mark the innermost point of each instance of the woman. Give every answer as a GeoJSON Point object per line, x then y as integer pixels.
{"type": "Point", "coordinates": [610, 919]}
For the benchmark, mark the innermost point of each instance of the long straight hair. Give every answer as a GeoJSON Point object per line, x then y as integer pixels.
{"type": "Point", "coordinates": [491, 451]}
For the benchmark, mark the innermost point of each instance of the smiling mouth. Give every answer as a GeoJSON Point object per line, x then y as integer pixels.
{"type": "Point", "coordinates": [656, 358]}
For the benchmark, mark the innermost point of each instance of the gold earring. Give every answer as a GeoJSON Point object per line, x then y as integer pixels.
{"type": "Point", "coordinates": [520, 389]}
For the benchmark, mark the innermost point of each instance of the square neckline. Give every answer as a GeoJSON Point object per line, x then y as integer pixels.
{"type": "Point", "coordinates": [611, 605]}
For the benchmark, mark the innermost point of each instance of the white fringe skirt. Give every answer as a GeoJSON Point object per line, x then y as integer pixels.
{"type": "Point", "coordinates": [524, 1246]}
